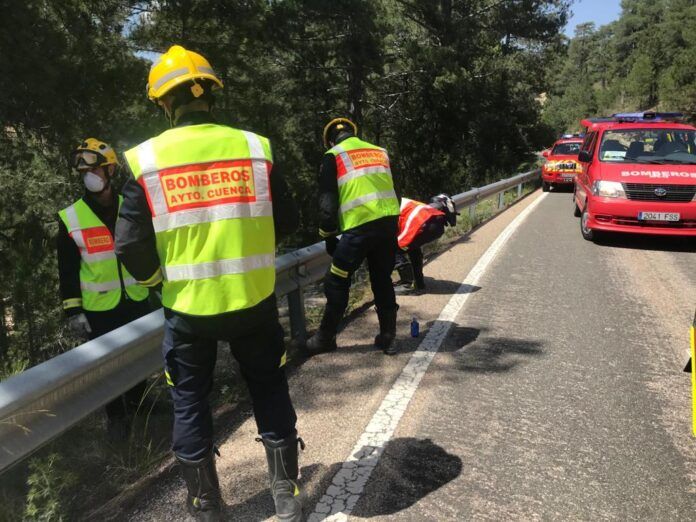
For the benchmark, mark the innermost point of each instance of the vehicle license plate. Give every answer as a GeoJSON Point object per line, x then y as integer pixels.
{"type": "Point", "coordinates": [566, 177]}
{"type": "Point", "coordinates": [658, 216]}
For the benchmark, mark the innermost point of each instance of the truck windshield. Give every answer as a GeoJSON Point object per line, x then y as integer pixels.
{"type": "Point", "coordinates": [656, 146]}
{"type": "Point", "coordinates": [566, 149]}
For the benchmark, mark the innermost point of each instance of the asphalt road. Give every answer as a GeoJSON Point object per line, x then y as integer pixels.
{"type": "Point", "coordinates": [557, 394]}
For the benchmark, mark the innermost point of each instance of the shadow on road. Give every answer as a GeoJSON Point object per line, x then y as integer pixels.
{"type": "Point", "coordinates": [645, 242]}
{"type": "Point", "coordinates": [489, 354]}
{"type": "Point", "coordinates": [442, 286]}
{"type": "Point", "coordinates": [409, 470]}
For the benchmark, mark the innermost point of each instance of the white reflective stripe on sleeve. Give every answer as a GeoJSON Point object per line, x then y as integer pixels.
{"type": "Point", "coordinates": [210, 214]}
{"type": "Point", "coordinates": [259, 165]}
{"type": "Point", "coordinates": [100, 287]}
{"type": "Point", "coordinates": [350, 205]}
{"type": "Point", "coordinates": [155, 192]}
{"type": "Point", "coordinates": [410, 219]}
{"type": "Point", "coordinates": [218, 268]}
{"type": "Point", "coordinates": [354, 174]}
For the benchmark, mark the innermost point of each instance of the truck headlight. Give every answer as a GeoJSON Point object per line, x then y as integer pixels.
{"type": "Point", "coordinates": [608, 189]}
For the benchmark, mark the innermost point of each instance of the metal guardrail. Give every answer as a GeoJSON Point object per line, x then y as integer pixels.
{"type": "Point", "coordinates": [42, 402]}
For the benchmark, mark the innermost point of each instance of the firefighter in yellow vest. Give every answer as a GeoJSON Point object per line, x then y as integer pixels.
{"type": "Point", "coordinates": [200, 217]}
{"type": "Point", "coordinates": [356, 200]}
{"type": "Point", "coordinates": [99, 295]}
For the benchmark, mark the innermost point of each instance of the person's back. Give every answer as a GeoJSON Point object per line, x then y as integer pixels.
{"type": "Point", "coordinates": [210, 199]}
{"type": "Point", "coordinates": [198, 221]}
{"type": "Point", "coordinates": [357, 200]}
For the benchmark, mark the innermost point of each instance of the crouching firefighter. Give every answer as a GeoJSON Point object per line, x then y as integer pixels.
{"type": "Point", "coordinates": [356, 200]}
{"type": "Point", "coordinates": [99, 295]}
{"type": "Point", "coordinates": [200, 217]}
{"type": "Point", "coordinates": [420, 224]}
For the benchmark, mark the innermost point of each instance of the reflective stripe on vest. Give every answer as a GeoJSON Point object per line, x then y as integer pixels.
{"type": "Point", "coordinates": [78, 236]}
{"type": "Point", "coordinates": [208, 188]}
{"type": "Point", "coordinates": [412, 217]}
{"type": "Point", "coordinates": [100, 282]}
{"type": "Point", "coordinates": [365, 186]}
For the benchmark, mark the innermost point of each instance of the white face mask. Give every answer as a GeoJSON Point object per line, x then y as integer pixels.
{"type": "Point", "coordinates": [93, 182]}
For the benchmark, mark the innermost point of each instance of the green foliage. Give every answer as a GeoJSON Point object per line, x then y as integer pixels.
{"type": "Point", "coordinates": [49, 482]}
{"type": "Point", "coordinates": [73, 75]}
{"type": "Point", "coordinates": [449, 88]}
{"type": "Point", "coordinates": [642, 61]}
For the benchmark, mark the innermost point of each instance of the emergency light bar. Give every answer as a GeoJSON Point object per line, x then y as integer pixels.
{"type": "Point", "coordinates": [569, 136]}
{"type": "Point", "coordinates": [647, 116]}
{"type": "Point", "coordinates": [634, 117]}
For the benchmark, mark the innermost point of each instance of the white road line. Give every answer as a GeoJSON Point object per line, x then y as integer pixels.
{"type": "Point", "coordinates": [349, 482]}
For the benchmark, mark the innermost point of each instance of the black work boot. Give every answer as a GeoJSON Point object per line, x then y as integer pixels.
{"type": "Point", "coordinates": [321, 342]}
{"type": "Point", "coordinates": [387, 330]}
{"type": "Point", "coordinates": [283, 470]}
{"type": "Point", "coordinates": [203, 500]}
{"type": "Point", "coordinates": [325, 338]}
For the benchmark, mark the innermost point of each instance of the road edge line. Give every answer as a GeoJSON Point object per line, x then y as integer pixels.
{"type": "Point", "coordinates": [348, 484]}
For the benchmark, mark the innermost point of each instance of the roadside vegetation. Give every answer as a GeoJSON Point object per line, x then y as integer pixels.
{"type": "Point", "coordinates": [460, 93]}
{"type": "Point", "coordinates": [642, 61]}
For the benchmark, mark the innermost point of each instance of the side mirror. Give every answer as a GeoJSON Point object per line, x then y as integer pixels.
{"type": "Point", "coordinates": [584, 157]}
{"type": "Point", "coordinates": [546, 153]}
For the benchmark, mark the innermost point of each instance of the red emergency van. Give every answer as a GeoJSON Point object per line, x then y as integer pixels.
{"type": "Point", "coordinates": [638, 175]}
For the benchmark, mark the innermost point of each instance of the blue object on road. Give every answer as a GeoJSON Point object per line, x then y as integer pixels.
{"type": "Point", "coordinates": [415, 328]}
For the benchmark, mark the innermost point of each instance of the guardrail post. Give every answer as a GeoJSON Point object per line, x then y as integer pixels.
{"type": "Point", "coordinates": [472, 213]}
{"type": "Point", "coordinates": [296, 312]}
{"type": "Point", "coordinates": [519, 190]}
{"type": "Point", "coordinates": [501, 200]}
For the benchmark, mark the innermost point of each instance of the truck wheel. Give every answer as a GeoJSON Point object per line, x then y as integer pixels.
{"type": "Point", "coordinates": [587, 233]}
{"type": "Point", "coordinates": [545, 186]}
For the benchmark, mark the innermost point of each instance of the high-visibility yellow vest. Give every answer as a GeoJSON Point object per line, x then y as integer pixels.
{"type": "Point", "coordinates": [208, 187]}
{"type": "Point", "coordinates": [100, 280]}
{"type": "Point", "coordinates": [365, 185]}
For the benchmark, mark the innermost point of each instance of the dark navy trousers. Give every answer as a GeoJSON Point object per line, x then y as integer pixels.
{"type": "Point", "coordinates": [190, 352]}
{"type": "Point", "coordinates": [374, 241]}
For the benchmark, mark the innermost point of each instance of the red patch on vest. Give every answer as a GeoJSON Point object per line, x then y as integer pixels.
{"type": "Point", "coordinates": [208, 184]}
{"type": "Point", "coordinates": [98, 239]}
{"type": "Point", "coordinates": [362, 158]}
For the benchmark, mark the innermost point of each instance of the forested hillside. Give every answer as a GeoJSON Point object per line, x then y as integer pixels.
{"type": "Point", "coordinates": [644, 60]}
{"type": "Point", "coordinates": [448, 87]}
